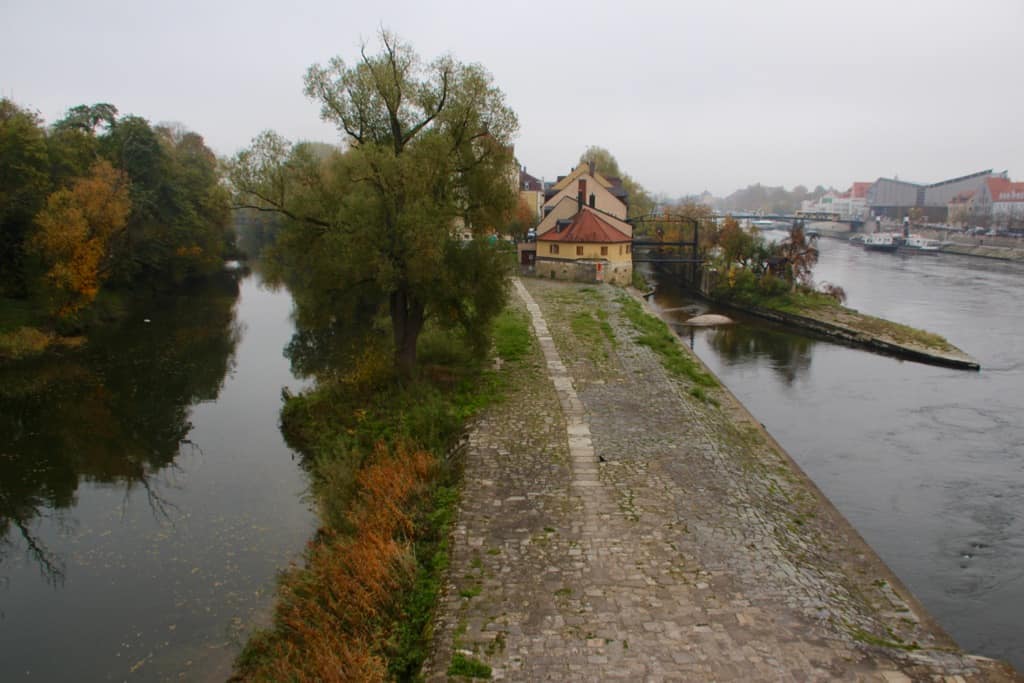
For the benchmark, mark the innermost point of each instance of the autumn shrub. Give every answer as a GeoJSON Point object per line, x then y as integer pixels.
{"type": "Point", "coordinates": [332, 614]}
{"type": "Point", "coordinates": [24, 342]}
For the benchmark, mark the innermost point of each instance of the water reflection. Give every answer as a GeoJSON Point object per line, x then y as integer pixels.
{"type": "Point", "coordinates": [115, 412]}
{"type": "Point", "coordinates": [789, 355]}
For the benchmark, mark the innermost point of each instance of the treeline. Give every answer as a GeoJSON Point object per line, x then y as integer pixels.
{"type": "Point", "coordinates": [760, 197]}
{"type": "Point", "coordinates": [98, 200]}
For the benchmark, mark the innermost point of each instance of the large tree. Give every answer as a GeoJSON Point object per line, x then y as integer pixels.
{"type": "Point", "coordinates": [427, 150]}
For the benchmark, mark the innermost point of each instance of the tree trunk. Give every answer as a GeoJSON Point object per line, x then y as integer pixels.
{"type": "Point", "coordinates": [406, 325]}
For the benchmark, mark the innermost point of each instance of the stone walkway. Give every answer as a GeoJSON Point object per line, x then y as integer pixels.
{"type": "Point", "coordinates": [620, 523]}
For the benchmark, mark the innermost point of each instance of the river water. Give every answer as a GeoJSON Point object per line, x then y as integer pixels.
{"type": "Point", "coordinates": [147, 499]}
{"type": "Point", "coordinates": [926, 462]}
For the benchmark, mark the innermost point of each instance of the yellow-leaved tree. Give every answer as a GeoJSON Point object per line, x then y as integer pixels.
{"type": "Point", "coordinates": [73, 236]}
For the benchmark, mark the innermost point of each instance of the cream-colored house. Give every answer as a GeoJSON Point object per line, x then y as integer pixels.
{"type": "Point", "coordinates": [590, 247]}
{"type": "Point", "coordinates": [587, 188]}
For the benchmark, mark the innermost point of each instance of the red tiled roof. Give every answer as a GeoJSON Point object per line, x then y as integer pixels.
{"type": "Point", "coordinates": [586, 226]}
{"type": "Point", "coordinates": [860, 190]}
{"type": "Point", "coordinates": [1002, 190]}
{"type": "Point", "coordinates": [963, 197]}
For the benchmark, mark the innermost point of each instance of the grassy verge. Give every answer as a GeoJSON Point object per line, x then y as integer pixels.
{"type": "Point", "coordinates": [827, 309]}
{"type": "Point", "coordinates": [385, 477]}
{"type": "Point", "coordinates": [654, 333]}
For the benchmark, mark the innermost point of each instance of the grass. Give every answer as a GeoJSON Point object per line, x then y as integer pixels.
{"type": "Point", "coordinates": [467, 666]}
{"type": "Point", "coordinates": [656, 335]}
{"type": "Point", "coordinates": [512, 338]}
{"type": "Point", "coordinates": [827, 309]}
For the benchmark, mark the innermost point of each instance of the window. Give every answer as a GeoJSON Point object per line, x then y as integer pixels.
{"type": "Point", "coordinates": [579, 251]}
{"type": "Point", "coordinates": [629, 248]}
{"type": "Point", "coordinates": [604, 251]}
{"type": "Point", "coordinates": [554, 248]}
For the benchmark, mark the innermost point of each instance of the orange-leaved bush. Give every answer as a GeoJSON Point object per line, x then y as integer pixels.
{"type": "Point", "coordinates": [333, 614]}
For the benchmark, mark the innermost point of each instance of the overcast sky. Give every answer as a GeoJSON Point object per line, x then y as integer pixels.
{"type": "Point", "coordinates": [688, 96]}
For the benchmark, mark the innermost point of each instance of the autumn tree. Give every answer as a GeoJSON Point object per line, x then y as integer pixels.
{"type": "Point", "coordinates": [371, 228]}
{"type": "Point", "coordinates": [74, 232]}
{"type": "Point", "coordinates": [800, 256]}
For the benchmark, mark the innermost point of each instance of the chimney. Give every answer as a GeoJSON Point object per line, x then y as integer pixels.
{"type": "Point", "coordinates": [581, 193]}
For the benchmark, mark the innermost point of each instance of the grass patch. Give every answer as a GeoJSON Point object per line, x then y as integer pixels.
{"type": "Point", "coordinates": [871, 639]}
{"type": "Point", "coordinates": [467, 666]}
{"type": "Point", "coordinates": [656, 335]}
{"type": "Point", "coordinates": [471, 592]}
{"type": "Point", "coordinates": [512, 338]}
{"type": "Point", "coordinates": [822, 307]}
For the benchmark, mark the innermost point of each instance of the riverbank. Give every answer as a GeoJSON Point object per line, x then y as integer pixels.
{"type": "Point", "coordinates": [847, 326]}
{"type": "Point", "coordinates": [621, 520]}
{"type": "Point", "coordinates": [385, 463]}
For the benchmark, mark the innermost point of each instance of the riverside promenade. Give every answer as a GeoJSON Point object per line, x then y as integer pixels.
{"type": "Point", "coordinates": [619, 522]}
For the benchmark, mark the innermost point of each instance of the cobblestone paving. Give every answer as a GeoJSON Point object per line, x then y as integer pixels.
{"type": "Point", "coordinates": [618, 524]}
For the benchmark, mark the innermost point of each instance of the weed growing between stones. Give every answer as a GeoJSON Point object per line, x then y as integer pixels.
{"type": "Point", "coordinates": [467, 666]}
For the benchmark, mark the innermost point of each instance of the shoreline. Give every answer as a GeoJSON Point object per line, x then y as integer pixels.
{"type": "Point", "coordinates": [850, 335]}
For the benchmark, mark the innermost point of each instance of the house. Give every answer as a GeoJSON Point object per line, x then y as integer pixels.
{"type": "Point", "coordinates": [588, 247]}
{"type": "Point", "coordinates": [606, 195]}
{"type": "Point", "coordinates": [1002, 201]}
{"type": "Point", "coordinates": [583, 234]}
{"type": "Point", "coordinates": [531, 192]}
{"type": "Point", "coordinates": [960, 209]}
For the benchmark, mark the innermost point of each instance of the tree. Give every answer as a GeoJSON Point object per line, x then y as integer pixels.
{"type": "Point", "coordinates": [24, 184]}
{"type": "Point", "coordinates": [373, 227]}
{"type": "Point", "coordinates": [800, 256]}
{"type": "Point", "coordinates": [73, 236]}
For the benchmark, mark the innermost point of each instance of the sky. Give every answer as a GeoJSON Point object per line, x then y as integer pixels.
{"type": "Point", "coordinates": [688, 96]}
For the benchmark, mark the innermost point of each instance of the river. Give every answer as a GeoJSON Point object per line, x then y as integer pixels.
{"type": "Point", "coordinates": [147, 499]}
{"type": "Point", "coordinates": [926, 462]}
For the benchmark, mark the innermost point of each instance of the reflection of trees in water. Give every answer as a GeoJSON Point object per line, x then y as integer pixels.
{"type": "Point", "coordinates": [115, 412]}
{"type": "Point", "coordinates": [790, 354]}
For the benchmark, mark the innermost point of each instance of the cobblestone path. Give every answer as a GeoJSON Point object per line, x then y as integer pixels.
{"type": "Point", "coordinates": [618, 522]}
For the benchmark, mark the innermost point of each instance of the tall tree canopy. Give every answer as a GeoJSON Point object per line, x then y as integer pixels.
{"type": "Point", "coordinates": [24, 184]}
{"type": "Point", "coordinates": [374, 227]}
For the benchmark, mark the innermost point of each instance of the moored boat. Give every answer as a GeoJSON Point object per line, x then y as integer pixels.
{"type": "Point", "coordinates": [882, 241]}
{"type": "Point", "coordinates": [917, 244]}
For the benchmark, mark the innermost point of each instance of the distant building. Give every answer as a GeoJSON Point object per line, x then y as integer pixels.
{"type": "Point", "coordinates": [850, 205]}
{"type": "Point", "coordinates": [960, 209]}
{"type": "Point", "coordinates": [895, 198]}
{"type": "Point", "coordinates": [1002, 202]}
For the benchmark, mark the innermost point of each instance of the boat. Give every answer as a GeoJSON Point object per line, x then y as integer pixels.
{"type": "Point", "coordinates": [858, 239]}
{"type": "Point", "coordinates": [882, 241]}
{"type": "Point", "coordinates": [916, 244]}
